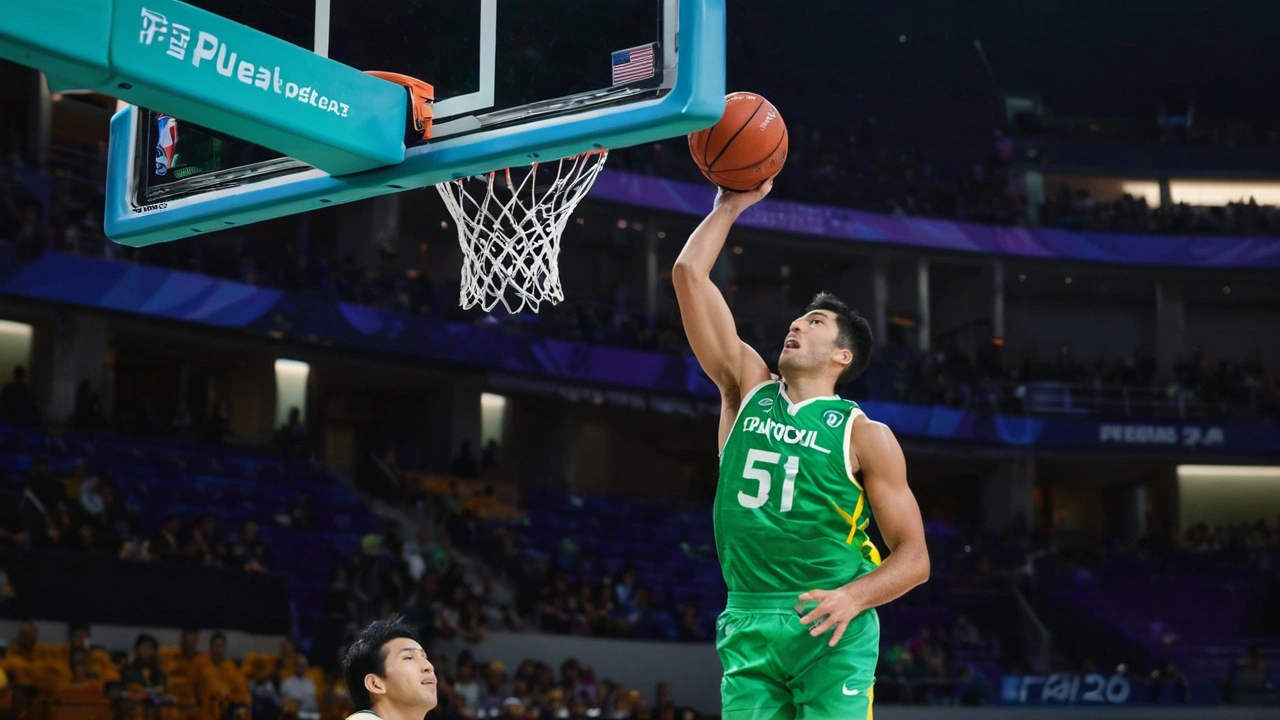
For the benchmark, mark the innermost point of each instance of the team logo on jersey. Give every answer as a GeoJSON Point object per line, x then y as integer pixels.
{"type": "Point", "coordinates": [766, 402]}
{"type": "Point", "coordinates": [783, 433]}
{"type": "Point", "coordinates": [833, 418]}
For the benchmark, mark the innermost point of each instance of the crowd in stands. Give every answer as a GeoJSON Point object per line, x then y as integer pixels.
{"type": "Point", "coordinates": [1129, 608]}
{"type": "Point", "coordinates": [422, 577]}
{"type": "Point", "coordinates": [429, 573]}
{"type": "Point", "coordinates": [1253, 545]}
{"type": "Point", "coordinates": [854, 168]}
{"type": "Point", "coordinates": [470, 688]}
{"type": "Point", "coordinates": [1076, 210]}
{"type": "Point", "coordinates": [1198, 384]}
{"type": "Point", "coordinates": [81, 679]}
{"type": "Point", "coordinates": [467, 578]}
{"type": "Point", "coordinates": [80, 512]}
{"type": "Point", "coordinates": [946, 376]}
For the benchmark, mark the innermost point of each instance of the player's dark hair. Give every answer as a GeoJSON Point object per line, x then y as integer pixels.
{"type": "Point", "coordinates": [854, 332]}
{"type": "Point", "coordinates": [367, 655]}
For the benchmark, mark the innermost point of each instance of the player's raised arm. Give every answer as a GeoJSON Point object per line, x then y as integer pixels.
{"type": "Point", "coordinates": [708, 323]}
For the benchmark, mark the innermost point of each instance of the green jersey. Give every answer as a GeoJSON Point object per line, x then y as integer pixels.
{"type": "Point", "coordinates": [789, 514]}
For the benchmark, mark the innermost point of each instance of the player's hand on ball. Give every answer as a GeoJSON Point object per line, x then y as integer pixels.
{"type": "Point", "coordinates": [740, 201]}
{"type": "Point", "coordinates": [835, 609]}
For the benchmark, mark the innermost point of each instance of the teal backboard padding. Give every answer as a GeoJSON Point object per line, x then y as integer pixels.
{"type": "Point", "coordinates": [190, 63]}
{"type": "Point", "coordinates": [695, 101]}
{"type": "Point", "coordinates": [193, 64]}
{"type": "Point", "coordinates": [69, 40]}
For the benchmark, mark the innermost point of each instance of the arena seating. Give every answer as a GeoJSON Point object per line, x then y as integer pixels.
{"type": "Point", "coordinates": [161, 478]}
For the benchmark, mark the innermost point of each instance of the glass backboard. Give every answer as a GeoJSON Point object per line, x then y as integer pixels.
{"type": "Point", "coordinates": [515, 81]}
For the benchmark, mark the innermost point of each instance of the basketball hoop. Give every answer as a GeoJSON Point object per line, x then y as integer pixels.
{"type": "Point", "coordinates": [509, 227]}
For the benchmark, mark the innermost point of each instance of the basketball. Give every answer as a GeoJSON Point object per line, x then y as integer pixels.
{"type": "Point", "coordinates": [747, 146]}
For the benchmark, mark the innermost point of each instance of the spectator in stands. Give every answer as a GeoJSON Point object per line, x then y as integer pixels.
{"type": "Point", "coordinates": [247, 552]}
{"type": "Point", "coordinates": [291, 437]}
{"type": "Point", "coordinates": [118, 520]}
{"type": "Point", "coordinates": [491, 459]}
{"type": "Point", "coordinates": [219, 683]}
{"type": "Point", "coordinates": [300, 516]}
{"type": "Point", "coordinates": [513, 708]}
{"type": "Point", "coordinates": [203, 546]}
{"type": "Point", "coordinates": [690, 631]}
{"type": "Point", "coordinates": [626, 588]}
{"type": "Point", "coordinates": [1169, 676]}
{"type": "Point", "coordinates": [82, 540]}
{"type": "Point", "coordinates": [165, 544]}
{"type": "Point", "coordinates": [416, 554]}
{"type": "Point", "coordinates": [919, 645]}
{"type": "Point", "coordinates": [287, 658]}
{"type": "Point", "coordinates": [337, 611]}
{"type": "Point", "coordinates": [92, 505]}
{"type": "Point", "coordinates": [965, 634]}
{"type": "Point", "coordinates": [420, 607]}
{"type": "Point", "coordinates": [134, 549]}
{"type": "Point", "coordinates": [23, 646]}
{"type": "Point", "coordinates": [971, 686]}
{"type": "Point", "coordinates": [60, 527]}
{"type": "Point", "coordinates": [494, 690]}
{"type": "Point", "coordinates": [39, 504]}
{"type": "Point", "coordinates": [472, 623]}
{"type": "Point", "coordinates": [300, 689]}
{"type": "Point", "coordinates": [466, 686]}
{"type": "Point", "coordinates": [143, 669]}
{"type": "Point", "coordinates": [81, 669]}
{"type": "Point", "coordinates": [185, 660]}
{"type": "Point", "coordinates": [18, 406]}
{"type": "Point", "coordinates": [578, 685]}
{"type": "Point", "coordinates": [1251, 670]}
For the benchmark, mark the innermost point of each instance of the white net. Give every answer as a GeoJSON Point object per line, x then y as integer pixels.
{"type": "Point", "coordinates": [509, 227]}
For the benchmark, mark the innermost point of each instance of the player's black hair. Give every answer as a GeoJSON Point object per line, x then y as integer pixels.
{"type": "Point", "coordinates": [854, 332]}
{"type": "Point", "coordinates": [367, 655]}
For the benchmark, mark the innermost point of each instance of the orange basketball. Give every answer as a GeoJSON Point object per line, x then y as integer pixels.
{"type": "Point", "coordinates": [746, 147]}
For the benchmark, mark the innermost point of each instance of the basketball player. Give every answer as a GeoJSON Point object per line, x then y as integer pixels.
{"type": "Point", "coordinates": [387, 673]}
{"type": "Point", "coordinates": [800, 636]}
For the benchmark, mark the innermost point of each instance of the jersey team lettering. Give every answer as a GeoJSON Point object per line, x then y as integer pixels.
{"type": "Point", "coordinates": [783, 433]}
{"type": "Point", "coordinates": [156, 26]}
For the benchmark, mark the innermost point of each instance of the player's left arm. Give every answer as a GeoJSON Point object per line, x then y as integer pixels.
{"type": "Point", "coordinates": [884, 479]}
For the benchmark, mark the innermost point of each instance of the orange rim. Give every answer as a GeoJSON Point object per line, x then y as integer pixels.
{"type": "Point", "coordinates": [422, 95]}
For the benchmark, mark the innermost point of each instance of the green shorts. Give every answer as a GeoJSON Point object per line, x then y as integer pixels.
{"type": "Point", "coordinates": [775, 670]}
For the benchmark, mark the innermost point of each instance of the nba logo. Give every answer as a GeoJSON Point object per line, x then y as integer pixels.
{"type": "Point", "coordinates": [166, 143]}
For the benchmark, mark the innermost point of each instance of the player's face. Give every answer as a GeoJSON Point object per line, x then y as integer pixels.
{"type": "Point", "coordinates": [410, 680]}
{"type": "Point", "coordinates": [810, 343]}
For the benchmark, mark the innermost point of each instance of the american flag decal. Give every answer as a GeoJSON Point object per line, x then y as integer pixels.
{"type": "Point", "coordinates": [637, 63]}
